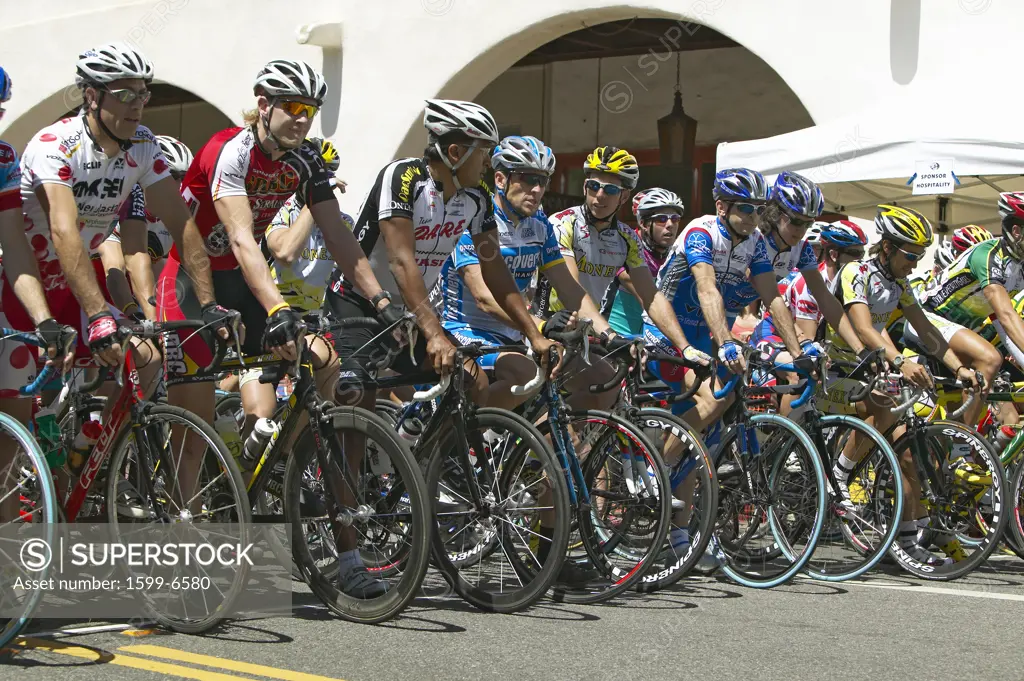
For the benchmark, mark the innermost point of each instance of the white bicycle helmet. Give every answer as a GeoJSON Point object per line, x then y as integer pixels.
{"type": "Point", "coordinates": [110, 62]}
{"type": "Point", "coordinates": [179, 158]}
{"type": "Point", "coordinates": [290, 78]}
{"type": "Point", "coordinates": [523, 153]}
{"type": "Point", "coordinates": [658, 198]}
{"type": "Point", "coordinates": [945, 255]}
{"type": "Point", "coordinates": [442, 116]}
{"type": "Point", "coordinates": [814, 232]}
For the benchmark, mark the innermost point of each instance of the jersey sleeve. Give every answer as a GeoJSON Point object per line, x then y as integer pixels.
{"type": "Point", "coordinates": [284, 218]}
{"type": "Point", "coordinates": [397, 185]}
{"type": "Point", "coordinates": [800, 301]}
{"type": "Point", "coordinates": [907, 298]}
{"type": "Point", "coordinates": [318, 182]}
{"type": "Point", "coordinates": [10, 178]}
{"type": "Point", "coordinates": [550, 251]}
{"type": "Point", "coordinates": [634, 254]}
{"type": "Point", "coordinates": [465, 253]}
{"type": "Point", "coordinates": [987, 264]}
{"type": "Point", "coordinates": [225, 167]}
{"type": "Point", "coordinates": [564, 232]}
{"type": "Point", "coordinates": [698, 246]}
{"type": "Point", "coordinates": [134, 207]}
{"type": "Point", "coordinates": [760, 263]}
{"type": "Point", "coordinates": [483, 219]}
{"type": "Point", "coordinates": [853, 279]}
{"type": "Point", "coordinates": [807, 260]}
{"type": "Point", "coordinates": [153, 161]}
{"type": "Point", "coordinates": [44, 163]}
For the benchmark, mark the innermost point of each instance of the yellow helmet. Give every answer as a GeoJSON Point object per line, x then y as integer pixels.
{"type": "Point", "coordinates": [329, 153]}
{"type": "Point", "coordinates": [904, 225]}
{"type": "Point", "coordinates": [615, 161]}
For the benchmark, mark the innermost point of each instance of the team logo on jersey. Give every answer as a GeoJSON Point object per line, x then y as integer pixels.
{"type": "Point", "coordinates": [698, 242]}
{"type": "Point", "coordinates": [760, 250]}
{"type": "Point", "coordinates": [405, 189]}
{"type": "Point", "coordinates": [217, 242]}
{"type": "Point", "coordinates": [6, 154]}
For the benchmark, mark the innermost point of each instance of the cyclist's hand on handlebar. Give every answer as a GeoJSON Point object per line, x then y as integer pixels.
{"type": "Point", "coordinates": [917, 374]}
{"type": "Point", "coordinates": [973, 381]}
{"type": "Point", "coordinates": [878, 363]}
{"type": "Point", "coordinates": [441, 354]}
{"type": "Point", "coordinates": [392, 313]}
{"type": "Point", "coordinates": [731, 354]}
{"type": "Point", "coordinates": [102, 340]}
{"type": "Point", "coordinates": [559, 322]}
{"type": "Point", "coordinates": [811, 349]}
{"type": "Point", "coordinates": [542, 354]}
{"type": "Point", "coordinates": [60, 343]}
{"type": "Point", "coordinates": [692, 354]}
{"type": "Point", "coordinates": [282, 334]}
{"type": "Point", "coordinates": [219, 319]}
{"type": "Point", "coordinates": [614, 343]}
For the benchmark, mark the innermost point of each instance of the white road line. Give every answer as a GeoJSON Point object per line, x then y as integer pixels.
{"type": "Point", "coordinates": [81, 631]}
{"type": "Point", "coordinates": [992, 595]}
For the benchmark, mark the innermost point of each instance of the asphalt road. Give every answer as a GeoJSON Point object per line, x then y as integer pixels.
{"type": "Point", "coordinates": [885, 626]}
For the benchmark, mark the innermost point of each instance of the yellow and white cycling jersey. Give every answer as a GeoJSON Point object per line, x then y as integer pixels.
{"type": "Point", "coordinates": [866, 282]}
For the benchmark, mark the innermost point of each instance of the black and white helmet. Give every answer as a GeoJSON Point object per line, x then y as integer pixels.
{"type": "Point", "coordinates": [657, 199]}
{"type": "Point", "coordinates": [290, 78]}
{"type": "Point", "coordinates": [442, 116]}
{"type": "Point", "coordinates": [526, 153]}
{"type": "Point", "coordinates": [110, 62]}
{"type": "Point", "coordinates": [179, 158]}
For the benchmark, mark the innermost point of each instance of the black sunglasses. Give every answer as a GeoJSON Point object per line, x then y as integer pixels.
{"type": "Point", "coordinates": [533, 179]}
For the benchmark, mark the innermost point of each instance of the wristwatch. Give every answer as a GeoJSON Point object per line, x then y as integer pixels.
{"type": "Point", "coordinates": [897, 362]}
{"type": "Point", "coordinates": [379, 297]}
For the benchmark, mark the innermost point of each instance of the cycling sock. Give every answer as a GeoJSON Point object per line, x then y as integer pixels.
{"type": "Point", "coordinates": [680, 536]}
{"type": "Point", "coordinates": [908, 533]}
{"type": "Point", "coordinates": [545, 546]}
{"type": "Point", "coordinates": [938, 537]}
{"type": "Point", "coordinates": [843, 468]}
{"type": "Point", "coordinates": [349, 561]}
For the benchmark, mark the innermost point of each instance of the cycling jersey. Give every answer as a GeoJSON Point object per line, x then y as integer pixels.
{"type": "Point", "coordinates": [10, 178]}
{"type": "Point", "coordinates": [66, 153]}
{"type": "Point", "coordinates": [302, 284]}
{"type": "Point", "coordinates": [866, 282]}
{"type": "Point", "coordinates": [527, 248]}
{"type": "Point", "coordinates": [958, 294]}
{"type": "Point", "coordinates": [158, 239]}
{"type": "Point", "coordinates": [599, 255]}
{"type": "Point", "coordinates": [405, 189]}
{"type": "Point", "coordinates": [624, 312]}
{"type": "Point", "coordinates": [232, 164]}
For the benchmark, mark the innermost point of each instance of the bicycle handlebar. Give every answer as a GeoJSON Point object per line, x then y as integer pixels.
{"type": "Point", "coordinates": [48, 372]}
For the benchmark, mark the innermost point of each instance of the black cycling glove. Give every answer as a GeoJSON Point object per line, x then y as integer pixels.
{"type": "Point", "coordinates": [282, 326]}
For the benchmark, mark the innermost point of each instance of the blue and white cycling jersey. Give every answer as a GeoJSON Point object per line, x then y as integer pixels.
{"type": "Point", "coordinates": [10, 178]}
{"type": "Point", "coordinates": [799, 258]}
{"type": "Point", "coordinates": [527, 247]}
{"type": "Point", "coordinates": [705, 240]}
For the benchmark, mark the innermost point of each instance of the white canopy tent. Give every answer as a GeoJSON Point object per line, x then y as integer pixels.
{"type": "Point", "coordinates": [868, 157]}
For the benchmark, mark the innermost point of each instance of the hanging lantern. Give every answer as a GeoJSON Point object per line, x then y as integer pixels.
{"type": "Point", "coordinates": [677, 135]}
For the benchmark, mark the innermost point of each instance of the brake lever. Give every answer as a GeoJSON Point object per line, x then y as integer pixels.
{"type": "Point", "coordinates": [236, 329]}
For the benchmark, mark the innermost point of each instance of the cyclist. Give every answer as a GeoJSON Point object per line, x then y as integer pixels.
{"type": "Point", "coordinates": [658, 212]}
{"type": "Point", "coordinates": [140, 255]}
{"type": "Point", "coordinates": [959, 241]}
{"type": "Point", "coordinates": [874, 292]}
{"type": "Point", "coordinates": [19, 277]}
{"type": "Point", "coordinates": [795, 202]}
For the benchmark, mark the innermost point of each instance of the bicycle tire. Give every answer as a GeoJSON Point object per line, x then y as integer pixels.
{"type": "Point", "coordinates": [126, 505]}
{"type": "Point", "coordinates": [527, 449]}
{"type": "Point", "coordinates": [408, 493]}
{"type": "Point", "coordinates": [706, 489]}
{"type": "Point", "coordinates": [738, 555]}
{"type": "Point", "coordinates": [992, 521]}
{"type": "Point", "coordinates": [867, 531]}
{"type": "Point", "coordinates": [44, 500]}
{"type": "Point", "coordinates": [649, 516]}
{"type": "Point", "coordinates": [1014, 535]}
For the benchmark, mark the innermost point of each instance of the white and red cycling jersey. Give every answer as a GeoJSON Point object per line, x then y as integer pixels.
{"type": "Point", "coordinates": [800, 300]}
{"type": "Point", "coordinates": [232, 164]}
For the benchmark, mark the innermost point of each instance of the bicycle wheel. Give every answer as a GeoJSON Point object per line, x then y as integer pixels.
{"type": "Point", "coordinates": [692, 469]}
{"type": "Point", "coordinates": [27, 495]}
{"type": "Point", "coordinates": [856, 537]}
{"type": "Point", "coordinates": [494, 555]}
{"type": "Point", "coordinates": [619, 534]}
{"type": "Point", "coordinates": [771, 502]}
{"type": "Point", "coordinates": [964, 492]}
{"type": "Point", "coordinates": [1014, 535]}
{"type": "Point", "coordinates": [389, 514]}
{"type": "Point", "coordinates": [138, 493]}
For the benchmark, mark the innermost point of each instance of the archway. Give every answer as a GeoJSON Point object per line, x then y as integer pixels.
{"type": "Point", "coordinates": [611, 80]}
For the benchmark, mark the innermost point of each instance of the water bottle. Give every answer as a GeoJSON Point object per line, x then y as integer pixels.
{"type": "Point", "coordinates": [1003, 437]}
{"type": "Point", "coordinates": [261, 434]}
{"type": "Point", "coordinates": [227, 427]}
{"type": "Point", "coordinates": [83, 444]}
{"type": "Point", "coordinates": [411, 429]}
{"type": "Point", "coordinates": [47, 431]}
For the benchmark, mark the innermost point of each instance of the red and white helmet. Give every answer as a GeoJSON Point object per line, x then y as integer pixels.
{"type": "Point", "coordinates": [636, 203]}
{"type": "Point", "coordinates": [1011, 205]}
{"type": "Point", "coordinates": [963, 238]}
{"type": "Point", "coordinates": [844, 234]}
{"type": "Point", "coordinates": [179, 157]}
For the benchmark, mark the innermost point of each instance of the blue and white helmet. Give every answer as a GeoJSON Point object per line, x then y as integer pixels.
{"type": "Point", "coordinates": [523, 153]}
{"type": "Point", "coordinates": [797, 195]}
{"type": "Point", "coordinates": [740, 184]}
{"type": "Point", "coordinates": [5, 85]}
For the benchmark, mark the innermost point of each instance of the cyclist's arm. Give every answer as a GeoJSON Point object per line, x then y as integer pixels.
{"type": "Point", "coordinates": [114, 268]}
{"type": "Point", "coordinates": [860, 317]}
{"type": "Point", "coordinates": [565, 279]}
{"type": "Point", "coordinates": [768, 289]}
{"type": "Point", "coordinates": [20, 265]}
{"type": "Point", "coordinates": [62, 214]}
{"type": "Point", "coordinates": [499, 280]}
{"type": "Point", "coordinates": [626, 282]}
{"type": "Point", "coordinates": [1012, 348]}
{"type": "Point", "coordinates": [657, 306]}
{"type": "Point", "coordinates": [286, 244]}
{"type": "Point", "coordinates": [400, 241]}
{"type": "Point", "coordinates": [347, 252]}
{"type": "Point", "coordinates": [474, 280]}
{"type": "Point", "coordinates": [711, 304]}
{"type": "Point", "coordinates": [1010, 321]}
{"type": "Point", "coordinates": [831, 309]}
{"type": "Point", "coordinates": [135, 252]}
{"type": "Point", "coordinates": [165, 202]}
{"type": "Point", "coordinates": [236, 216]}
